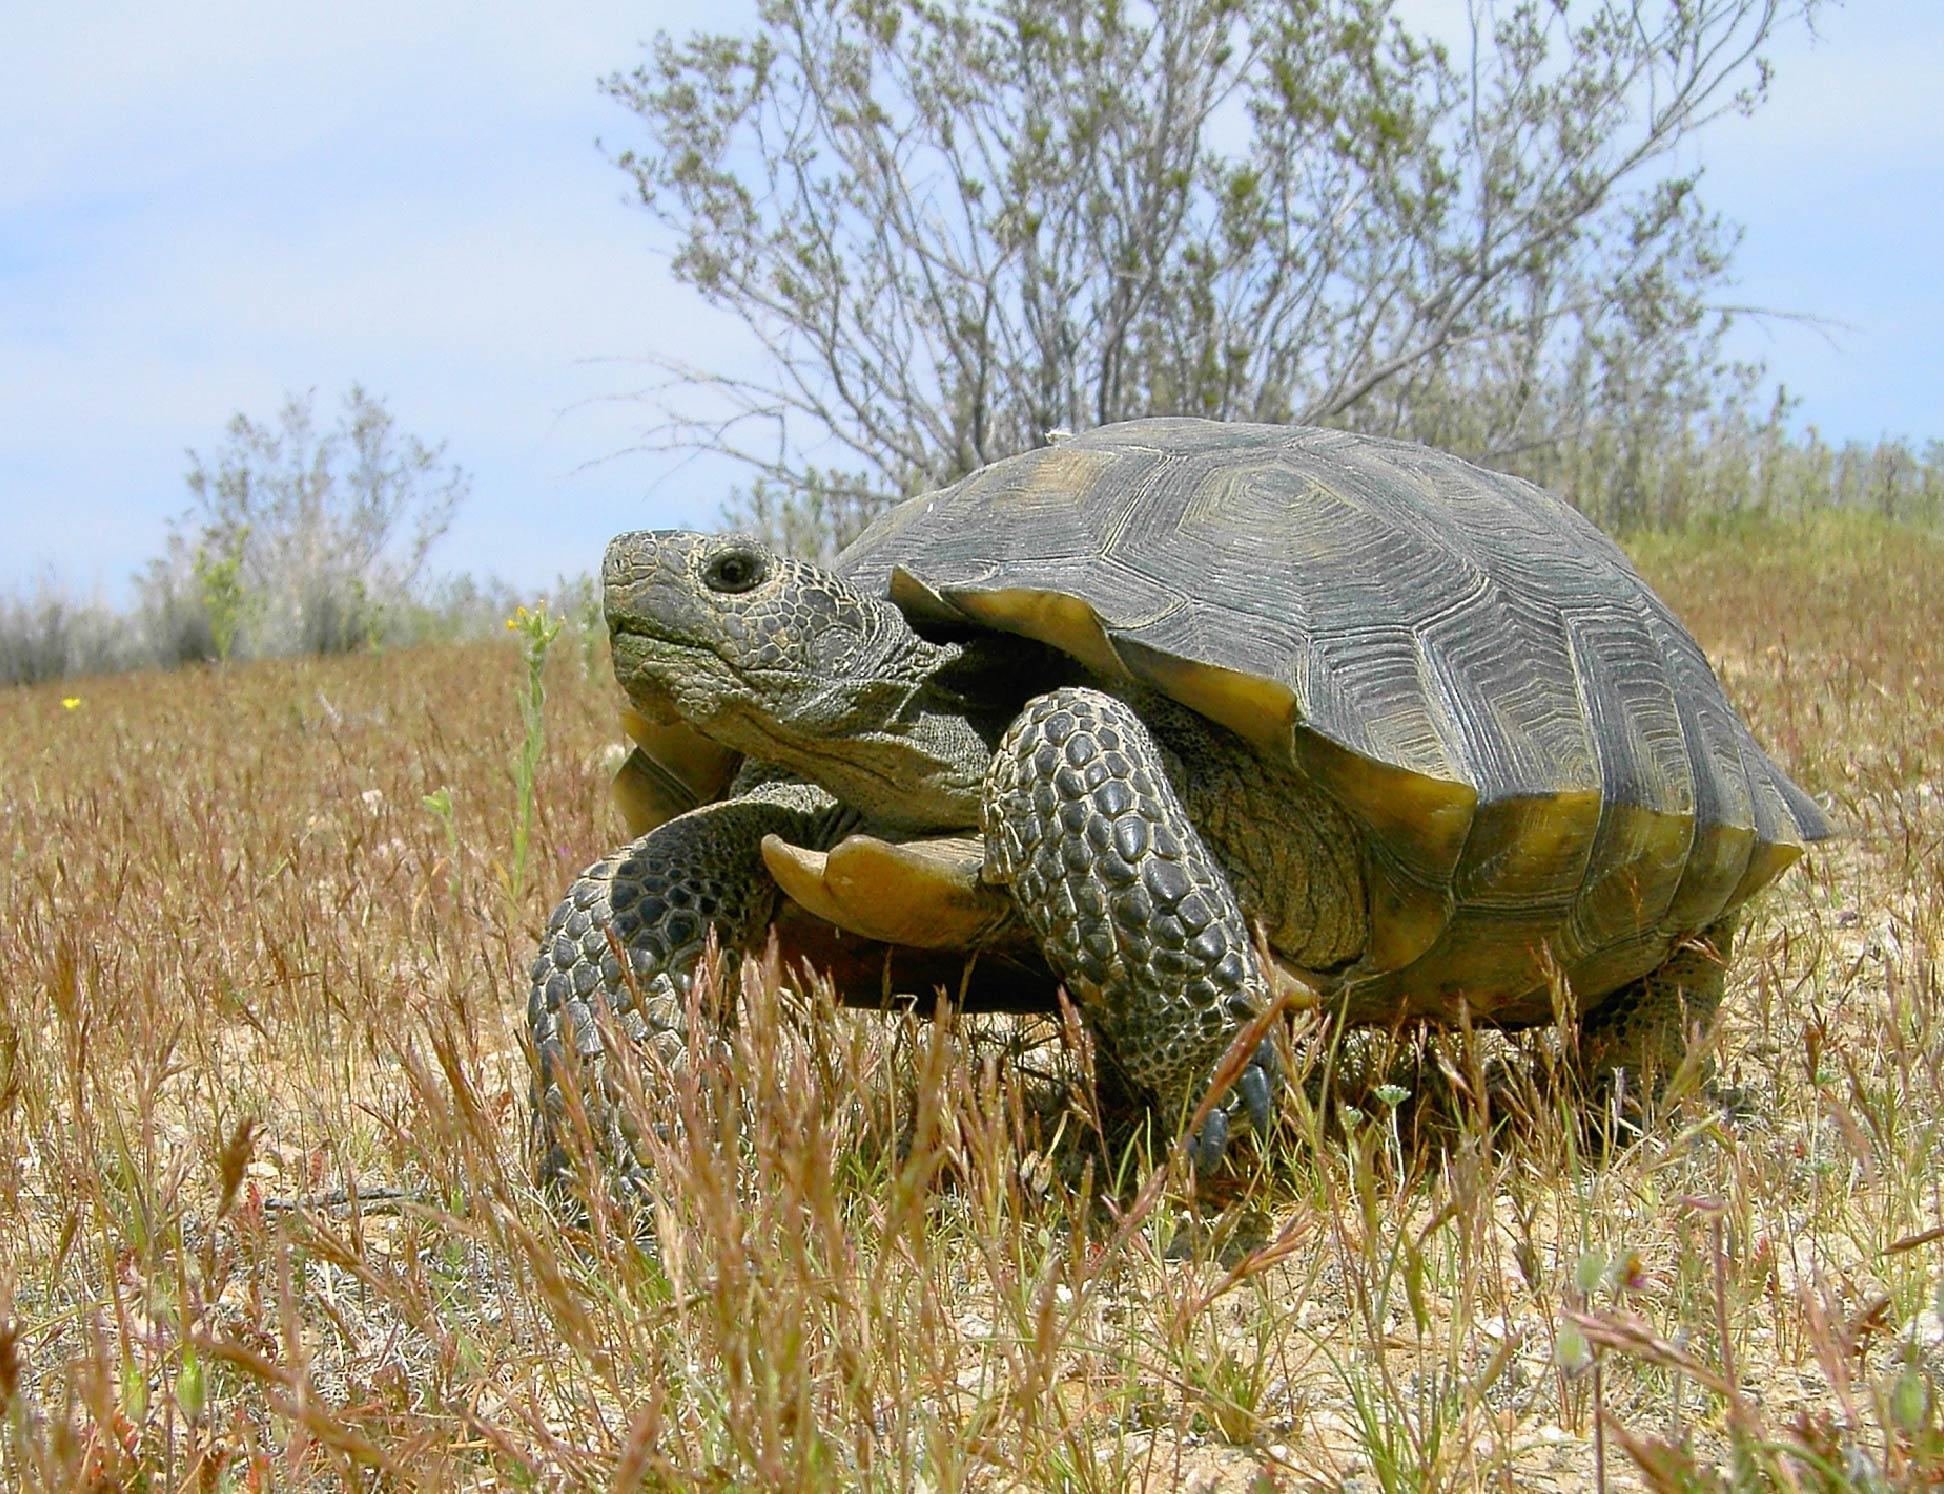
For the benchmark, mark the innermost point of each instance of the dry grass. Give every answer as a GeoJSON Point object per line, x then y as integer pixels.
{"type": "Point", "coordinates": [264, 1216]}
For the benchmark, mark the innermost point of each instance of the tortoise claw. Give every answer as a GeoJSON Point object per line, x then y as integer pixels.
{"type": "Point", "coordinates": [1257, 1087]}
{"type": "Point", "coordinates": [1256, 1098]}
{"type": "Point", "coordinates": [1260, 1084]}
{"type": "Point", "coordinates": [1210, 1144]}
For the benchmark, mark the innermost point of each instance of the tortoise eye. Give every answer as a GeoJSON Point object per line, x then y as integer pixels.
{"type": "Point", "coordinates": [733, 571]}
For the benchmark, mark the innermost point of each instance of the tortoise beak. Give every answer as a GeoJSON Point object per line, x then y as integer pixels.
{"type": "Point", "coordinates": [636, 567]}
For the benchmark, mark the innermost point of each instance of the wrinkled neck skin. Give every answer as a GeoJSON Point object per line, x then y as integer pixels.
{"type": "Point", "coordinates": [896, 726]}
{"type": "Point", "coordinates": [904, 746]}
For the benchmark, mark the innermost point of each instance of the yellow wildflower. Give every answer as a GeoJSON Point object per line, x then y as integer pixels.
{"type": "Point", "coordinates": [70, 702]}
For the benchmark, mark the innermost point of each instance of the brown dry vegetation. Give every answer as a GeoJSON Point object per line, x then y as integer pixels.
{"type": "Point", "coordinates": [264, 1216]}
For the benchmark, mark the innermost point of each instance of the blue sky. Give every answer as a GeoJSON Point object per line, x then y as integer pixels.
{"type": "Point", "coordinates": [206, 203]}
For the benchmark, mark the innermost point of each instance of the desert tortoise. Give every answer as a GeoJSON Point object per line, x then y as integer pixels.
{"type": "Point", "coordinates": [1172, 692]}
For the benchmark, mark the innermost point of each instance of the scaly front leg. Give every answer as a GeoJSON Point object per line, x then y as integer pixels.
{"type": "Point", "coordinates": [658, 899]}
{"type": "Point", "coordinates": [1128, 904]}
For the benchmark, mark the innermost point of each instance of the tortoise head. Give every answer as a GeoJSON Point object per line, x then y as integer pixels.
{"type": "Point", "coordinates": [789, 663]}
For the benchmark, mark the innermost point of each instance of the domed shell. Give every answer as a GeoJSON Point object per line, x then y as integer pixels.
{"type": "Point", "coordinates": [1545, 765]}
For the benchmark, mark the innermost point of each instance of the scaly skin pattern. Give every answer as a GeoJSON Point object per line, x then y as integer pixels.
{"type": "Point", "coordinates": [1290, 854]}
{"type": "Point", "coordinates": [659, 898]}
{"type": "Point", "coordinates": [1130, 907]}
{"type": "Point", "coordinates": [1642, 1030]}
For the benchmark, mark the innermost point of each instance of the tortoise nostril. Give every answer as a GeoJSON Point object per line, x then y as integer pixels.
{"type": "Point", "coordinates": [635, 558]}
{"type": "Point", "coordinates": [628, 556]}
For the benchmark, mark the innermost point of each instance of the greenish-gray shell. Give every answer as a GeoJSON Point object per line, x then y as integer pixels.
{"type": "Point", "coordinates": [1548, 773]}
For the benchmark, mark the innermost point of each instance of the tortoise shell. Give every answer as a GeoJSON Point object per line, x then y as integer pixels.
{"type": "Point", "coordinates": [1546, 768]}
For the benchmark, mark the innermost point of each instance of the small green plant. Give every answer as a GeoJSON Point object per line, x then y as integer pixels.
{"type": "Point", "coordinates": [536, 631]}
{"type": "Point", "coordinates": [590, 624]}
{"type": "Point", "coordinates": [370, 618]}
{"type": "Point", "coordinates": [439, 802]}
{"type": "Point", "coordinates": [219, 577]}
{"type": "Point", "coordinates": [1228, 1382]}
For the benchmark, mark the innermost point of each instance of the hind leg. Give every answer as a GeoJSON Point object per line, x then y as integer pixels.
{"type": "Point", "coordinates": [1635, 1040]}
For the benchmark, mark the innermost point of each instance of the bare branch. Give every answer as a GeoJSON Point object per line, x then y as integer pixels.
{"type": "Point", "coordinates": [954, 224]}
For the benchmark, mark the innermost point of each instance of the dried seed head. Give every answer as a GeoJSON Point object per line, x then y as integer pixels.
{"type": "Point", "coordinates": [233, 1159]}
